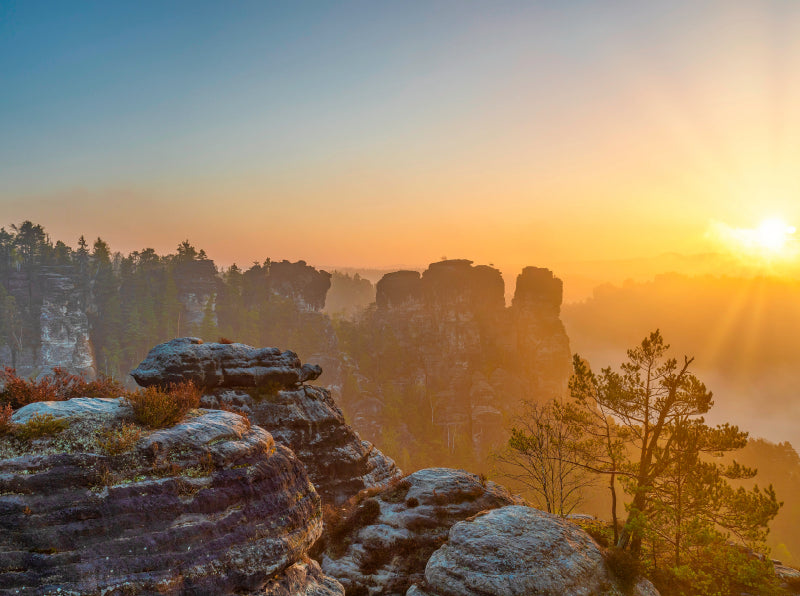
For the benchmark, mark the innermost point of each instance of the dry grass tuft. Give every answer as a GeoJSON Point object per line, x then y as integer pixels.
{"type": "Point", "coordinates": [40, 425]}
{"type": "Point", "coordinates": [116, 441]}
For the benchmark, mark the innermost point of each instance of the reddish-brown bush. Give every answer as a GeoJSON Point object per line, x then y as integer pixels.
{"type": "Point", "coordinates": [59, 386]}
{"type": "Point", "coordinates": [5, 419]}
{"type": "Point", "coordinates": [156, 408]}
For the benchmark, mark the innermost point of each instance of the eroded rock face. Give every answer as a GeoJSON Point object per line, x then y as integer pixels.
{"type": "Point", "coordinates": [307, 420]}
{"type": "Point", "coordinates": [59, 335]}
{"type": "Point", "coordinates": [215, 365]}
{"type": "Point", "coordinates": [266, 385]}
{"type": "Point", "coordinates": [517, 551]}
{"type": "Point", "coordinates": [210, 506]}
{"type": "Point", "coordinates": [409, 520]}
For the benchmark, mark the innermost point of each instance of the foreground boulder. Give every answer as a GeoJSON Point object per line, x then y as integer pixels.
{"type": "Point", "coordinates": [516, 551]}
{"type": "Point", "coordinates": [271, 394]}
{"type": "Point", "coordinates": [381, 545]}
{"type": "Point", "coordinates": [210, 506]}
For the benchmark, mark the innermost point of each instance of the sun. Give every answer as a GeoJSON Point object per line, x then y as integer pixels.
{"type": "Point", "coordinates": [771, 242]}
{"type": "Point", "coordinates": [772, 235]}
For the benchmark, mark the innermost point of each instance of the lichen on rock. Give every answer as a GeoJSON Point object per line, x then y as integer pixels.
{"type": "Point", "coordinates": [516, 551]}
{"type": "Point", "coordinates": [385, 552]}
{"type": "Point", "coordinates": [209, 506]}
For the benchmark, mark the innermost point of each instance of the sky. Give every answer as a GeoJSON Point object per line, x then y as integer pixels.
{"type": "Point", "coordinates": [395, 133]}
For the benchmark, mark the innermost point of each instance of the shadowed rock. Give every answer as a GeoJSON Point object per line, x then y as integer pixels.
{"type": "Point", "coordinates": [538, 288]}
{"type": "Point", "coordinates": [221, 365]}
{"type": "Point", "coordinates": [210, 506]}
{"type": "Point", "coordinates": [413, 517]}
{"type": "Point", "coordinates": [307, 420]}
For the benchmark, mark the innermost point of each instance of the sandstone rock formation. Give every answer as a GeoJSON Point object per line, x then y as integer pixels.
{"type": "Point", "coordinates": [214, 365]}
{"type": "Point", "coordinates": [210, 506]}
{"type": "Point", "coordinates": [515, 551]}
{"type": "Point", "coordinates": [460, 360]}
{"type": "Point", "coordinates": [383, 546]}
{"type": "Point", "coordinates": [266, 385]}
{"type": "Point", "coordinates": [55, 332]}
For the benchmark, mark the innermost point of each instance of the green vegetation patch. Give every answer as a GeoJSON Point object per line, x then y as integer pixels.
{"type": "Point", "coordinates": [40, 425]}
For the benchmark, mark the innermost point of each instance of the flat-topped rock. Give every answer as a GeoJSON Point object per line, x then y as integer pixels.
{"type": "Point", "coordinates": [79, 407]}
{"type": "Point", "coordinates": [212, 365]}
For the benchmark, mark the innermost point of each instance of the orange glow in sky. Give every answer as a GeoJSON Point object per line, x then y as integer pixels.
{"type": "Point", "coordinates": [511, 133]}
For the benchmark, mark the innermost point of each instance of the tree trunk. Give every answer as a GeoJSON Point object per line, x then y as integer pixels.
{"type": "Point", "coordinates": [614, 522]}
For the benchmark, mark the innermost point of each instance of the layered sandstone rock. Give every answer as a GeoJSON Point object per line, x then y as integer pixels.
{"type": "Point", "coordinates": [516, 551]}
{"type": "Point", "coordinates": [267, 386]}
{"type": "Point", "coordinates": [214, 365]}
{"type": "Point", "coordinates": [210, 506]}
{"type": "Point", "coordinates": [383, 547]}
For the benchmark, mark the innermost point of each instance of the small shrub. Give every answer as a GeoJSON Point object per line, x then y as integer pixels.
{"type": "Point", "coordinates": [396, 491]}
{"type": "Point", "coordinates": [102, 386]}
{"type": "Point", "coordinates": [205, 467]}
{"type": "Point", "coordinates": [40, 425]}
{"type": "Point", "coordinates": [412, 502]}
{"type": "Point", "coordinates": [156, 408]}
{"type": "Point", "coordinates": [625, 567]}
{"type": "Point", "coordinates": [6, 426]}
{"type": "Point", "coordinates": [103, 477]}
{"type": "Point", "coordinates": [115, 441]}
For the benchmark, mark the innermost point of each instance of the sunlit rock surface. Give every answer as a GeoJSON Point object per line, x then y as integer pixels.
{"type": "Point", "coordinates": [210, 506]}
{"type": "Point", "coordinates": [517, 551]}
{"type": "Point", "coordinates": [270, 392]}
{"type": "Point", "coordinates": [461, 360]}
{"type": "Point", "coordinates": [388, 554]}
